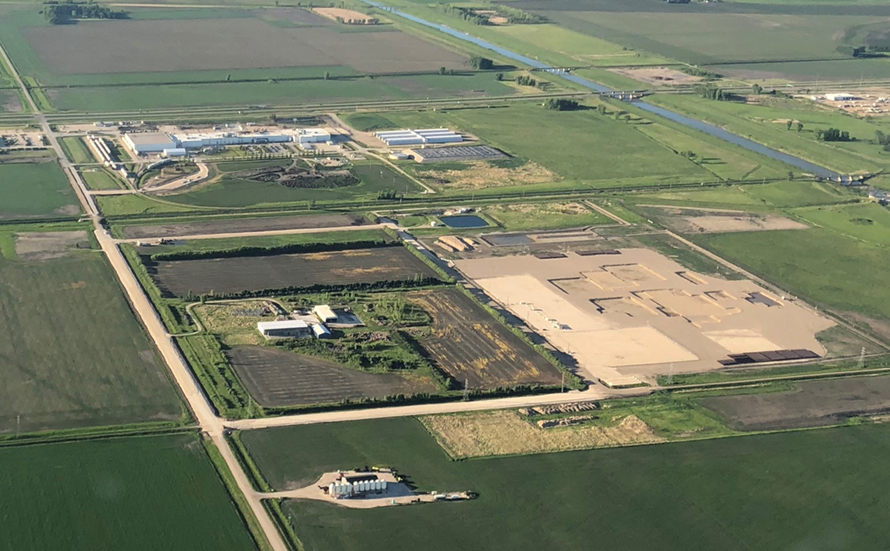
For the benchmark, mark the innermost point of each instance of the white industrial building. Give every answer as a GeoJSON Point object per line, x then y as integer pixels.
{"type": "Point", "coordinates": [321, 331]}
{"type": "Point", "coordinates": [325, 313]}
{"type": "Point", "coordinates": [160, 142]}
{"type": "Point", "coordinates": [284, 329]}
{"type": "Point", "coordinates": [840, 96]}
{"type": "Point", "coordinates": [419, 137]}
{"type": "Point", "coordinates": [149, 142]}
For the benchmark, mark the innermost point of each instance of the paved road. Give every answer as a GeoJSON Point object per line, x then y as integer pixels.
{"type": "Point", "coordinates": [188, 180]}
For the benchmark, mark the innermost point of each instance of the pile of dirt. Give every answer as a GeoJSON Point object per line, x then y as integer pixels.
{"type": "Point", "coordinates": [302, 178]}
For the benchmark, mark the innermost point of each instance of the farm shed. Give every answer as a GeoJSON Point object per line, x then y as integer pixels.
{"type": "Point", "coordinates": [284, 329]}
{"type": "Point", "coordinates": [321, 331]}
{"type": "Point", "coordinates": [324, 313]}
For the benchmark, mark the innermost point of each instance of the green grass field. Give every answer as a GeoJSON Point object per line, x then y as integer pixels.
{"type": "Point", "coordinates": [73, 354]}
{"type": "Point", "coordinates": [98, 179]}
{"type": "Point", "coordinates": [867, 222]}
{"type": "Point", "coordinates": [233, 192]}
{"type": "Point", "coordinates": [767, 125]}
{"type": "Point", "coordinates": [580, 146]}
{"type": "Point", "coordinates": [144, 493]}
{"type": "Point", "coordinates": [818, 264]}
{"type": "Point", "coordinates": [545, 216]}
{"type": "Point", "coordinates": [77, 150]}
{"type": "Point", "coordinates": [760, 492]}
{"type": "Point", "coordinates": [35, 190]}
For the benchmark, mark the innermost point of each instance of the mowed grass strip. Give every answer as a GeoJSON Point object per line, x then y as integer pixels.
{"type": "Point", "coordinates": [145, 493]}
{"type": "Point", "coordinates": [759, 492]}
{"type": "Point", "coordinates": [72, 353]}
{"type": "Point", "coordinates": [77, 150]}
{"type": "Point", "coordinates": [30, 190]}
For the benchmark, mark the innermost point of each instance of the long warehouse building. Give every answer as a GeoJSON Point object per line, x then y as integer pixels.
{"type": "Point", "coordinates": [419, 137]}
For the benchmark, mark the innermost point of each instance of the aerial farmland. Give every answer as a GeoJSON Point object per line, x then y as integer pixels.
{"type": "Point", "coordinates": [402, 275]}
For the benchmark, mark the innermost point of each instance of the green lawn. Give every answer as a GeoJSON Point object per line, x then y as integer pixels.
{"type": "Point", "coordinates": [800, 194]}
{"type": "Point", "coordinates": [867, 222]}
{"type": "Point", "coordinates": [99, 178]}
{"type": "Point", "coordinates": [766, 124]}
{"type": "Point", "coordinates": [783, 491]}
{"type": "Point", "coordinates": [232, 192]}
{"type": "Point", "coordinates": [581, 146]}
{"type": "Point", "coordinates": [77, 150]}
{"type": "Point", "coordinates": [118, 205]}
{"type": "Point", "coordinates": [35, 190]}
{"type": "Point", "coordinates": [72, 353]}
{"type": "Point", "coordinates": [146, 493]}
{"type": "Point", "coordinates": [543, 216]}
{"type": "Point", "coordinates": [822, 265]}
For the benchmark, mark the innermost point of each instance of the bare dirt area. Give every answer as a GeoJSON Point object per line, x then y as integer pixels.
{"type": "Point", "coordinates": [630, 316]}
{"type": "Point", "coordinates": [866, 102]}
{"type": "Point", "coordinates": [657, 75]}
{"type": "Point", "coordinates": [235, 225]}
{"type": "Point", "coordinates": [492, 433]}
{"type": "Point", "coordinates": [123, 46]}
{"type": "Point", "coordinates": [278, 378]}
{"type": "Point", "coordinates": [475, 349]}
{"type": "Point", "coordinates": [222, 276]}
{"type": "Point", "coordinates": [484, 174]}
{"type": "Point", "coordinates": [49, 245]}
{"type": "Point", "coordinates": [355, 17]}
{"type": "Point", "coordinates": [810, 404]}
{"type": "Point", "coordinates": [697, 220]}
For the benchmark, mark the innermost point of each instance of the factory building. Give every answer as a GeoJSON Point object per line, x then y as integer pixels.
{"type": "Point", "coordinates": [284, 329]}
{"type": "Point", "coordinates": [325, 314]}
{"type": "Point", "coordinates": [149, 142]}
{"type": "Point", "coordinates": [419, 137]}
{"type": "Point", "coordinates": [159, 142]}
{"type": "Point", "coordinates": [841, 96]}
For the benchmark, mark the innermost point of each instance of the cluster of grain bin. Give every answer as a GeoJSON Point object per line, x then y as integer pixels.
{"type": "Point", "coordinates": [344, 488]}
{"type": "Point", "coordinates": [419, 137]}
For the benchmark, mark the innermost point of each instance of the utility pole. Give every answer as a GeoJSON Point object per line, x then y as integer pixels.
{"type": "Point", "coordinates": [466, 389]}
{"type": "Point", "coordinates": [861, 363]}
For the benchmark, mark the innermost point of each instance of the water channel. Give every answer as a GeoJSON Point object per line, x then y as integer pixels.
{"type": "Point", "coordinates": [715, 131]}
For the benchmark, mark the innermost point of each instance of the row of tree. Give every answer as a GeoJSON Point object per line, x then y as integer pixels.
{"type": "Point", "coordinates": [709, 91]}
{"type": "Point", "coordinates": [833, 135]}
{"type": "Point", "coordinates": [61, 13]}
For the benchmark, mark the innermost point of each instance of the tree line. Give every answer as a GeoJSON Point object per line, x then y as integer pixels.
{"type": "Point", "coordinates": [60, 13]}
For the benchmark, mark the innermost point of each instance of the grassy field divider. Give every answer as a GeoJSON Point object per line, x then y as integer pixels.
{"type": "Point", "coordinates": [273, 507]}
{"type": "Point", "coordinates": [247, 516]}
{"type": "Point", "coordinates": [222, 385]}
{"type": "Point", "coordinates": [172, 318]}
{"type": "Point", "coordinates": [95, 433]}
{"type": "Point", "coordinates": [257, 480]}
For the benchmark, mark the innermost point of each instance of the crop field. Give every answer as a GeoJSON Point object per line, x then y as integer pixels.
{"type": "Point", "coordinates": [563, 141]}
{"type": "Point", "coordinates": [278, 378]}
{"type": "Point", "coordinates": [809, 404]}
{"type": "Point", "coordinates": [738, 493]}
{"type": "Point", "coordinates": [255, 273]}
{"type": "Point", "coordinates": [74, 354]}
{"type": "Point", "coordinates": [851, 282]}
{"type": "Point", "coordinates": [242, 224]}
{"type": "Point", "coordinates": [35, 190]}
{"type": "Point", "coordinates": [474, 349]}
{"type": "Point", "coordinates": [139, 494]}
{"type": "Point", "coordinates": [233, 191]}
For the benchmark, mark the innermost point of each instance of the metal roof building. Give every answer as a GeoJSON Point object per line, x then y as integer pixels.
{"type": "Point", "coordinates": [284, 329]}
{"type": "Point", "coordinates": [419, 137]}
{"type": "Point", "coordinates": [325, 313]}
{"type": "Point", "coordinates": [149, 142]}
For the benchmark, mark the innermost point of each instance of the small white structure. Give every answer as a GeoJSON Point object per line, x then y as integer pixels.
{"type": "Point", "coordinates": [324, 313]}
{"type": "Point", "coordinates": [840, 96]}
{"type": "Point", "coordinates": [284, 329]}
{"type": "Point", "coordinates": [321, 331]}
{"type": "Point", "coordinates": [419, 137]}
{"type": "Point", "coordinates": [175, 152]}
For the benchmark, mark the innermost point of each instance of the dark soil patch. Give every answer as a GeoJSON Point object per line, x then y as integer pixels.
{"type": "Point", "coordinates": [277, 378]}
{"type": "Point", "coordinates": [811, 404]}
{"type": "Point", "coordinates": [235, 225]}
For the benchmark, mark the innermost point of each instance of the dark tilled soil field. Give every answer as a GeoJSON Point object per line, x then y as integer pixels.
{"type": "Point", "coordinates": [278, 378]}
{"type": "Point", "coordinates": [812, 404]}
{"type": "Point", "coordinates": [234, 225]}
{"type": "Point", "coordinates": [472, 347]}
{"type": "Point", "coordinates": [256, 273]}
{"type": "Point", "coordinates": [122, 46]}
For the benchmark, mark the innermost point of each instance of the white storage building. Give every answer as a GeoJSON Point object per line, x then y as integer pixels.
{"type": "Point", "coordinates": [312, 135]}
{"type": "Point", "coordinates": [840, 96]}
{"type": "Point", "coordinates": [284, 329]}
{"type": "Point", "coordinates": [149, 142]}
{"type": "Point", "coordinates": [325, 313]}
{"type": "Point", "coordinates": [419, 137]}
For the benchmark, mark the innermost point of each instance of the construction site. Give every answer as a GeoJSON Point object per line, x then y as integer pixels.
{"type": "Point", "coordinates": [633, 314]}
